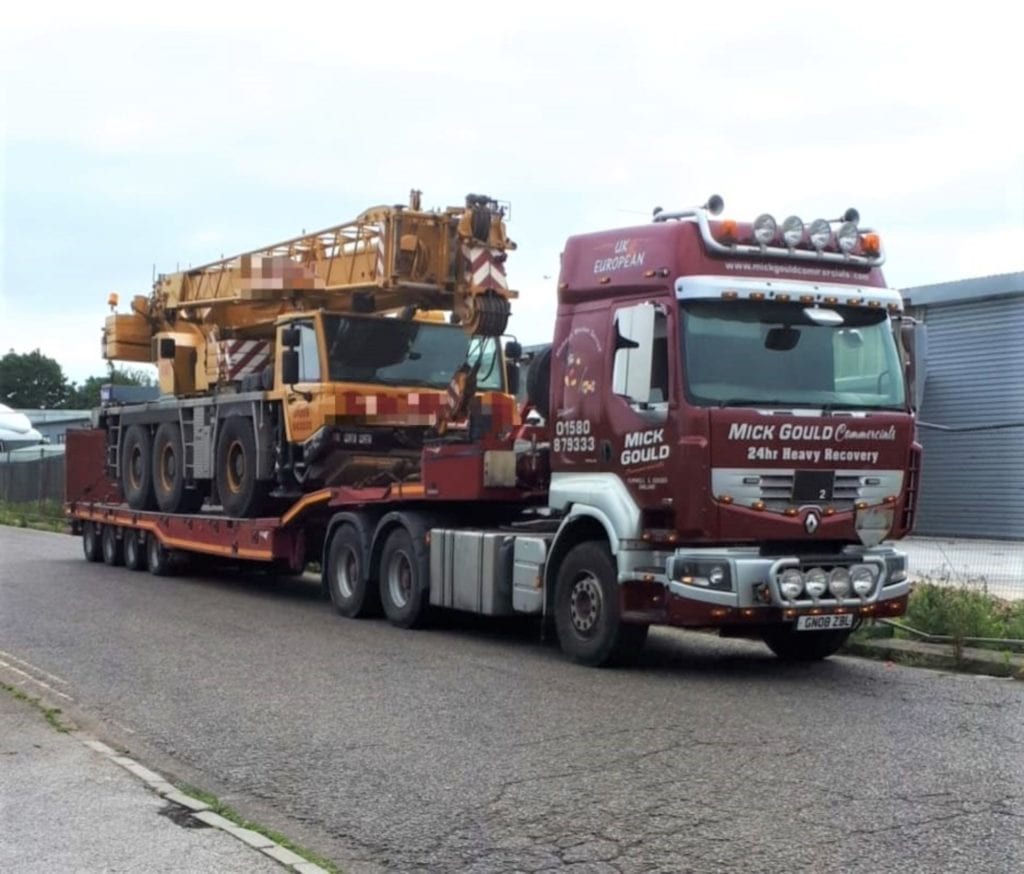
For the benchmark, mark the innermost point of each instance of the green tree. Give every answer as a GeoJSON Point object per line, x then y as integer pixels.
{"type": "Point", "coordinates": [87, 395]}
{"type": "Point", "coordinates": [31, 381]}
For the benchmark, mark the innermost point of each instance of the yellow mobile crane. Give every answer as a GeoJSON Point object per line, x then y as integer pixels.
{"type": "Point", "coordinates": [322, 360]}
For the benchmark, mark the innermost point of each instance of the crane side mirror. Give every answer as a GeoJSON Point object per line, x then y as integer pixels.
{"type": "Point", "coordinates": [512, 377]}
{"type": "Point", "coordinates": [290, 337]}
{"type": "Point", "coordinates": [513, 350]}
{"type": "Point", "coordinates": [290, 366]}
{"type": "Point", "coordinates": [167, 348]}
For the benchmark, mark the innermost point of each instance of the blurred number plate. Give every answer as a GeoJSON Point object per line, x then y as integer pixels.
{"type": "Point", "coordinates": [827, 622]}
{"type": "Point", "coordinates": [813, 485]}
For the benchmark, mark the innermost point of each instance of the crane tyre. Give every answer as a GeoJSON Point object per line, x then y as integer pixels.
{"type": "Point", "coordinates": [241, 494]}
{"type": "Point", "coordinates": [169, 472]}
{"type": "Point", "coordinates": [404, 572]}
{"type": "Point", "coordinates": [111, 545]}
{"type": "Point", "coordinates": [91, 541]}
{"type": "Point", "coordinates": [352, 592]}
{"type": "Point", "coordinates": [137, 469]}
{"type": "Point", "coordinates": [134, 549]}
{"type": "Point", "coordinates": [588, 609]}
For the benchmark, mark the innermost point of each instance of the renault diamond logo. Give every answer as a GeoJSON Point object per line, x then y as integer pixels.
{"type": "Point", "coordinates": [812, 522]}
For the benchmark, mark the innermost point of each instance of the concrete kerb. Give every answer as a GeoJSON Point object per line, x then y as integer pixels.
{"type": "Point", "coordinates": [201, 810]}
{"type": "Point", "coordinates": [985, 662]}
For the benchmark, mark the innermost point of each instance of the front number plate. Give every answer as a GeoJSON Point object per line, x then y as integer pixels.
{"type": "Point", "coordinates": [826, 622]}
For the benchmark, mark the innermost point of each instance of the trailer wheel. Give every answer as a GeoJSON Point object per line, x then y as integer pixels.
{"type": "Point", "coordinates": [352, 594]}
{"type": "Point", "coordinates": [136, 468]}
{"type": "Point", "coordinates": [404, 571]}
{"type": "Point", "coordinates": [158, 557]}
{"type": "Point", "coordinates": [134, 551]}
{"type": "Point", "coordinates": [169, 472]}
{"type": "Point", "coordinates": [241, 494]}
{"type": "Point", "coordinates": [111, 544]}
{"type": "Point", "coordinates": [803, 646]}
{"type": "Point", "coordinates": [588, 611]}
{"type": "Point", "coordinates": [91, 542]}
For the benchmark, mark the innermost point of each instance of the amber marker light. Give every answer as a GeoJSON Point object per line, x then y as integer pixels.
{"type": "Point", "coordinates": [757, 295]}
{"type": "Point", "coordinates": [874, 304]}
{"type": "Point", "coordinates": [832, 300]}
{"type": "Point", "coordinates": [650, 273]}
{"type": "Point", "coordinates": [853, 302]}
{"type": "Point", "coordinates": [790, 511]}
{"type": "Point", "coordinates": [871, 244]}
{"type": "Point", "coordinates": [830, 511]}
{"type": "Point", "coordinates": [806, 298]}
{"type": "Point", "coordinates": [862, 505]}
{"type": "Point", "coordinates": [726, 499]}
{"type": "Point", "coordinates": [730, 295]}
{"type": "Point", "coordinates": [782, 298]}
{"type": "Point", "coordinates": [604, 280]}
{"type": "Point", "coordinates": [719, 612]}
{"type": "Point", "coordinates": [112, 300]}
{"type": "Point", "coordinates": [727, 230]}
{"type": "Point", "coordinates": [758, 505]}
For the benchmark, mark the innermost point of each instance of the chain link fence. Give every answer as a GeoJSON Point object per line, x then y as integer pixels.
{"type": "Point", "coordinates": [995, 567]}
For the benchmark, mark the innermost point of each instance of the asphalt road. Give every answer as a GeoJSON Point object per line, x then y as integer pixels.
{"type": "Point", "coordinates": [474, 747]}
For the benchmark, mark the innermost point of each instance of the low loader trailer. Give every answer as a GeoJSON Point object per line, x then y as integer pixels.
{"type": "Point", "coordinates": [721, 435]}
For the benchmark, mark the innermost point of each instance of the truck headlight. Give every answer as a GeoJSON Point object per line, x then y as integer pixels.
{"type": "Point", "coordinates": [791, 584]}
{"type": "Point", "coordinates": [862, 576]}
{"type": "Point", "coordinates": [816, 582]}
{"type": "Point", "coordinates": [839, 582]}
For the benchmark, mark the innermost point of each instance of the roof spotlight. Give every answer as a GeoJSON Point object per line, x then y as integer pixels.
{"type": "Point", "coordinates": [764, 229]}
{"type": "Point", "coordinates": [793, 231]}
{"type": "Point", "coordinates": [820, 232]}
{"type": "Point", "coordinates": [847, 236]}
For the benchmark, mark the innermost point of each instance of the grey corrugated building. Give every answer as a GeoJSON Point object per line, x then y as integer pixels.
{"type": "Point", "coordinates": [972, 482]}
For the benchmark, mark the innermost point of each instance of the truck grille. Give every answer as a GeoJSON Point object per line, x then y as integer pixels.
{"type": "Point", "coordinates": [775, 487]}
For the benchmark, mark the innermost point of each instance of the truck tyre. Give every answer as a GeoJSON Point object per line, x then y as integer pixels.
{"type": "Point", "coordinates": [134, 551]}
{"type": "Point", "coordinates": [404, 572]}
{"type": "Point", "coordinates": [111, 545]}
{"type": "Point", "coordinates": [803, 646]}
{"type": "Point", "coordinates": [91, 542]}
{"type": "Point", "coordinates": [137, 469]}
{"type": "Point", "coordinates": [158, 558]}
{"type": "Point", "coordinates": [169, 472]}
{"type": "Point", "coordinates": [352, 594]}
{"type": "Point", "coordinates": [588, 610]}
{"type": "Point", "coordinates": [241, 494]}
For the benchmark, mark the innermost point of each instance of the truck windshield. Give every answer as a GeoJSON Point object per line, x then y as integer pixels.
{"type": "Point", "coordinates": [747, 352]}
{"type": "Point", "coordinates": [400, 352]}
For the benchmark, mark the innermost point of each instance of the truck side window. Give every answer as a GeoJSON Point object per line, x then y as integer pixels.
{"type": "Point", "coordinates": [640, 370]}
{"type": "Point", "coordinates": [309, 358]}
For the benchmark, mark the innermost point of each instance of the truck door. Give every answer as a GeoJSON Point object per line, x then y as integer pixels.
{"type": "Point", "coordinates": [303, 399]}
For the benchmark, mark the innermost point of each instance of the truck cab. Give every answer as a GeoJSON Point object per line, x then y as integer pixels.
{"type": "Point", "coordinates": [729, 409]}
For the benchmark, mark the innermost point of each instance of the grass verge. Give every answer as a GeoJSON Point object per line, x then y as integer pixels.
{"type": "Point", "coordinates": [52, 715]}
{"type": "Point", "coordinates": [42, 515]}
{"type": "Point", "coordinates": [222, 809]}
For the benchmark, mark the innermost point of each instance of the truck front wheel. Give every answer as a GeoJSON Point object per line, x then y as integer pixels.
{"type": "Point", "coordinates": [803, 646]}
{"type": "Point", "coordinates": [588, 610]}
{"type": "Point", "coordinates": [352, 594]}
{"type": "Point", "coordinates": [404, 571]}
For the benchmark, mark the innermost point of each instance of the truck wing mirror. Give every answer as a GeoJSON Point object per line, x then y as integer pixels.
{"type": "Point", "coordinates": [914, 339]}
{"type": "Point", "coordinates": [290, 366]}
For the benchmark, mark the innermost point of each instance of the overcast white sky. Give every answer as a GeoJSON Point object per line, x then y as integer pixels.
{"type": "Point", "coordinates": [136, 138]}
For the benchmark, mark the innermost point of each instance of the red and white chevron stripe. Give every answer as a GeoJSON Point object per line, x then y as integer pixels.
{"type": "Point", "coordinates": [238, 358]}
{"type": "Point", "coordinates": [380, 251]}
{"type": "Point", "coordinates": [484, 268]}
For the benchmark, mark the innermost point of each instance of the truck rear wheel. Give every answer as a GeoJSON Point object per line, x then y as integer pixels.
{"type": "Point", "coordinates": [241, 494]}
{"type": "Point", "coordinates": [169, 472]}
{"type": "Point", "coordinates": [588, 610]}
{"type": "Point", "coordinates": [136, 468]}
{"type": "Point", "coordinates": [91, 541]}
{"type": "Point", "coordinates": [803, 646]}
{"type": "Point", "coordinates": [404, 572]}
{"type": "Point", "coordinates": [352, 594]}
{"type": "Point", "coordinates": [134, 551]}
{"type": "Point", "coordinates": [111, 545]}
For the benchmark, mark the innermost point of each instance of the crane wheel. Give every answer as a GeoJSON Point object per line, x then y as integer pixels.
{"type": "Point", "coordinates": [241, 493]}
{"type": "Point", "coordinates": [489, 315]}
{"type": "Point", "coordinates": [136, 468]}
{"type": "Point", "coordinates": [169, 472]}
